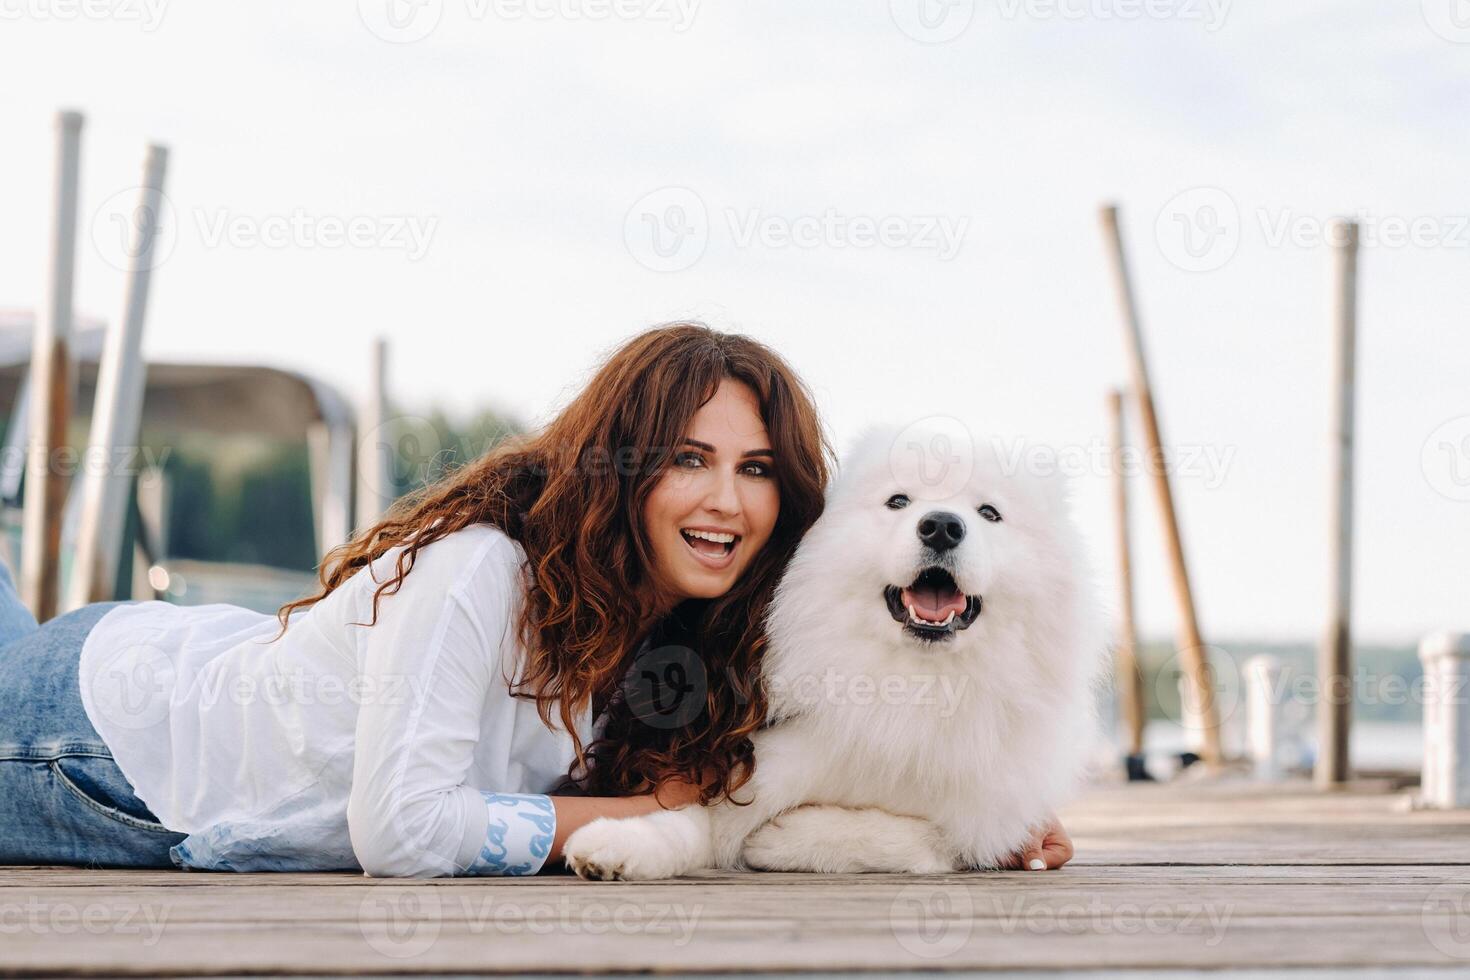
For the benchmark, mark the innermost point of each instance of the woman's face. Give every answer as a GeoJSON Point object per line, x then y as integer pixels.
{"type": "Point", "coordinates": [714, 507]}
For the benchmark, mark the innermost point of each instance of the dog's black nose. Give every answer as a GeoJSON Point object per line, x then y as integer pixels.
{"type": "Point", "coordinates": [941, 530]}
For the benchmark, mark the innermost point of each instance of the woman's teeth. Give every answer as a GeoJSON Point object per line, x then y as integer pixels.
{"type": "Point", "coordinates": [711, 543]}
{"type": "Point", "coordinates": [717, 536]}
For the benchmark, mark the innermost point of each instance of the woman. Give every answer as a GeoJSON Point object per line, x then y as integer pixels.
{"type": "Point", "coordinates": [431, 710]}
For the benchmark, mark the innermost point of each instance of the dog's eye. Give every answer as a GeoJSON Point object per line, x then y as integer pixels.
{"type": "Point", "coordinates": [897, 502]}
{"type": "Point", "coordinates": [990, 513]}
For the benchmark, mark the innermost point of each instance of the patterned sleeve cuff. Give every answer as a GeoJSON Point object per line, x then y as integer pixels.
{"type": "Point", "coordinates": [517, 836]}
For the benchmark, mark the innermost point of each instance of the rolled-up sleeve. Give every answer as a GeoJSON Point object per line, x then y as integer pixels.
{"type": "Point", "coordinates": [427, 667]}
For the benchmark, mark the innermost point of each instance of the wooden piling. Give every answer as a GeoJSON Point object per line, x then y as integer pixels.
{"type": "Point", "coordinates": [375, 445]}
{"type": "Point", "coordinates": [117, 408]}
{"type": "Point", "coordinates": [51, 384]}
{"type": "Point", "coordinates": [1334, 656]}
{"type": "Point", "coordinates": [1129, 677]}
{"type": "Point", "coordinates": [1192, 647]}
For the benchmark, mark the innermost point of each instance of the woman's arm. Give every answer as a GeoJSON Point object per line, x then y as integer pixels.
{"type": "Point", "coordinates": [574, 812]}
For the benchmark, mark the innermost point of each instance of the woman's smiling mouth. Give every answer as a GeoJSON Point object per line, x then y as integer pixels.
{"type": "Point", "coordinates": [713, 547]}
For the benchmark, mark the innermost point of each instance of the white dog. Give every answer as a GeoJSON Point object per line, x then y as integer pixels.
{"type": "Point", "coordinates": [934, 644]}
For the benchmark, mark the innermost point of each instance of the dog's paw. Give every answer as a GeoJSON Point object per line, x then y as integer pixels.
{"type": "Point", "coordinates": [621, 850]}
{"type": "Point", "coordinates": [840, 840]}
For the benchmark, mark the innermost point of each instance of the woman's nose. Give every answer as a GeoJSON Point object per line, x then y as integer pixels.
{"type": "Point", "coordinates": [723, 496]}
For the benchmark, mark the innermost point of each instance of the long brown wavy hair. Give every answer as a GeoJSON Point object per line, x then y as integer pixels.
{"type": "Point", "coordinates": [572, 495]}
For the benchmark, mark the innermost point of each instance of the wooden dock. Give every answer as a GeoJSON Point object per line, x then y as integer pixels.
{"type": "Point", "coordinates": [1185, 877]}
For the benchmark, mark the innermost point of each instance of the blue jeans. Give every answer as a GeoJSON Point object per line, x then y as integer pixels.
{"type": "Point", "coordinates": [62, 798]}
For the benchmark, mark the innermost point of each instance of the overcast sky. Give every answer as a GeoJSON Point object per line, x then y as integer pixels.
{"type": "Point", "coordinates": [900, 196]}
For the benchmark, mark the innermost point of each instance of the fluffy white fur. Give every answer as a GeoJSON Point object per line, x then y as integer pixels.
{"type": "Point", "coordinates": [886, 752]}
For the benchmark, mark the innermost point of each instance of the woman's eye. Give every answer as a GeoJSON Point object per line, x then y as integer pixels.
{"type": "Point", "coordinates": [756, 469]}
{"type": "Point", "coordinates": [688, 460]}
{"type": "Point", "coordinates": [990, 513]}
{"type": "Point", "coordinates": [897, 502]}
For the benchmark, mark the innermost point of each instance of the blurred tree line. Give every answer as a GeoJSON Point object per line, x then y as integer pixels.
{"type": "Point", "coordinates": [246, 499]}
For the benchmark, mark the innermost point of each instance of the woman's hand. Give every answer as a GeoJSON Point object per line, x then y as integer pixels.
{"type": "Point", "coordinates": [1048, 849]}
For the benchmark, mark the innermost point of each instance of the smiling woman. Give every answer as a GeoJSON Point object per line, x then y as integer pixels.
{"type": "Point", "coordinates": [715, 510]}
{"type": "Point", "coordinates": [486, 627]}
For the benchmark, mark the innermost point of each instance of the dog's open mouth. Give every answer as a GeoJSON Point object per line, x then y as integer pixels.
{"type": "Point", "coordinates": [933, 607]}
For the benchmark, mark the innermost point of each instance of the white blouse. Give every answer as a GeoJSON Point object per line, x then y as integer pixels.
{"type": "Point", "coordinates": [396, 748]}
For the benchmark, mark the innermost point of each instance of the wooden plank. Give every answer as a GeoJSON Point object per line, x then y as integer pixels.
{"type": "Point", "coordinates": [1339, 881]}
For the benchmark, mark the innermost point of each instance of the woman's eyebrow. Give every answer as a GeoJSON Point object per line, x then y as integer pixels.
{"type": "Point", "coordinates": [711, 449]}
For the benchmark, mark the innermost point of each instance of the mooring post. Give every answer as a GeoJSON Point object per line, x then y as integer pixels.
{"type": "Point", "coordinates": [1334, 655]}
{"type": "Point", "coordinates": [1446, 778]}
{"type": "Point", "coordinates": [1263, 714]}
{"type": "Point", "coordinates": [50, 385]}
{"type": "Point", "coordinates": [1129, 677]}
{"type": "Point", "coordinates": [375, 443]}
{"type": "Point", "coordinates": [1192, 648]}
{"type": "Point", "coordinates": [117, 408]}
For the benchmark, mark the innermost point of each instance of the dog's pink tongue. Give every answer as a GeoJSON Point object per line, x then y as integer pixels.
{"type": "Point", "coordinates": [933, 603]}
